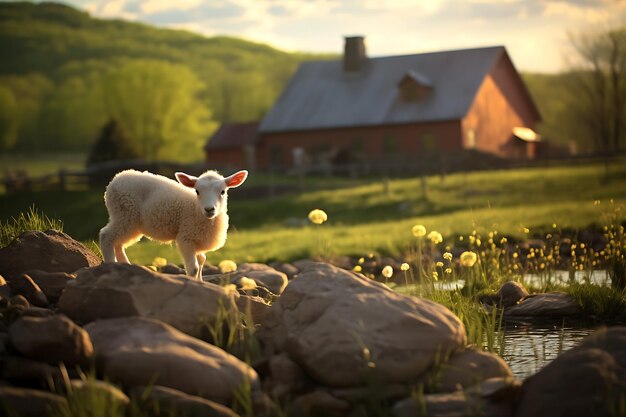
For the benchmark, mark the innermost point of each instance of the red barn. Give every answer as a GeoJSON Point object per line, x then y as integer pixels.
{"type": "Point", "coordinates": [401, 111]}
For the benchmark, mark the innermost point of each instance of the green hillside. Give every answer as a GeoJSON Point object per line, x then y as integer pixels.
{"type": "Point", "coordinates": [64, 74]}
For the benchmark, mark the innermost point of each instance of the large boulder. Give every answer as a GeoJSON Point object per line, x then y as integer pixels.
{"type": "Point", "coordinates": [469, 368]}
{"type": "Point", "coordinates": [51, 339]}
{"type": "Point", "coordinates": [50, 251]}
{"type": "Point", "coordinates": [263, 275]}
{"type": "Point", "coordinates": [552, 304]}
{"type": "Point", "coordinates": [136, 351]}
{"type": "Point", "coordinates": [51, 283]}
{"type": "Point", "coordinates": [341, 327]}
{"type": "Point", "coordinates": [588, 380]}
{"type": "Point", "coordinates": [121, 290]}
{"type": "Point", "coordinates": [25, 402]}
{"type": "Point", "coordinates": [163, 401]}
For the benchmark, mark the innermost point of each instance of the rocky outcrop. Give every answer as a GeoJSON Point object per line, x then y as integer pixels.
{"type": "Point", "coordinates": [137, 351]}
{"type": "Point", "coordinates": [340, 327]}
{"type": "Point", "coordinates": [552, 304]}
{"type": "Point", "coordinates": [51, 339]}
{"type": "Point", "coordinates": [50, 251]}
{"type": "Point", "coordinates": [181, 301]}
{"type": "Point", "coordinates": [588, 380]}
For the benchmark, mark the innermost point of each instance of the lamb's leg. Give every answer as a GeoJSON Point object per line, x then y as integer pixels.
{"type": "Point", "coordinates": [113, 237]}
{"type": "Point", "coordinates": [200, 257]}
{"type": "Point", "coordinates": [188, 252]}
{"type": "Point", "coordinates": [107, 243]}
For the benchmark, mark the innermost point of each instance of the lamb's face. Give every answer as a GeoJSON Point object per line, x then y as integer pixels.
{"type": "Point", "coordinates": [212, 195]}
{"type": "Point", "coordinates": [211, 189]}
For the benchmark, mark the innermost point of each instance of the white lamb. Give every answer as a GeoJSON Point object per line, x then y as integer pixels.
{"type": "Point", "coordinates": [192, 212]}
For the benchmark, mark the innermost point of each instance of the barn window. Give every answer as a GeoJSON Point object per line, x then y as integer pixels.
{"type": "Point", "coordinates": [429, 142]}
{"type": "Point", "coordinates": [471, 138]}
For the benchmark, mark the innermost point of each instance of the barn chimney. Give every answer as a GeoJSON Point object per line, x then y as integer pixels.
{"type": "Point", "coordinates": [354, 53]}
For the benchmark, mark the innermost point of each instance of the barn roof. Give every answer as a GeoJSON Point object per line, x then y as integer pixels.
{"type": "Point", "coordinates": [321, 95]}
{"type": "Point", "coordinates": [233, 135]}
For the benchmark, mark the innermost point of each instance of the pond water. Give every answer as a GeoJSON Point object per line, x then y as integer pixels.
{"type": "Point", "coordinates": [528, 347]}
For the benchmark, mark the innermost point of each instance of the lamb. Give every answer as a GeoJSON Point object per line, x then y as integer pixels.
{"type": "Point", "coordinates": [192, 212]}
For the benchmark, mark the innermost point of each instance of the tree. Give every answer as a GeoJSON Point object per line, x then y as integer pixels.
{"type": "Point", "coordinates": [599, 83]}
{"type": "Point", "coordinates": [158, 104]}
{"type": "Point", "coordinates": [112, 144]}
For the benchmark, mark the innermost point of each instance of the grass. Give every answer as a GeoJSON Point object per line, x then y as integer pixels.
{"type": "Point", "coordinates": [363, 218]}
{"type": "Point", "coordinates": [31, 220]}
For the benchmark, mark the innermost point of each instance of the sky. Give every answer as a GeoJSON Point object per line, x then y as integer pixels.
{"type": "Point", "coordinates": [535, 32]}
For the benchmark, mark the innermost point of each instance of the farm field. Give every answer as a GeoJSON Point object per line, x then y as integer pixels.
{"type": "Point", "coordinates": [365, 218]}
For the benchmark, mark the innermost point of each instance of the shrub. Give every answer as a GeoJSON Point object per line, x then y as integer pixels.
{"type": "Point", "coordinates": [112, 144]}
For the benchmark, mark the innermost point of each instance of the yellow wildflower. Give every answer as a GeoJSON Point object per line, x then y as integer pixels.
{"type": "Point", "coordinates": [227, 266]}
{"type": "Point", "coordinates": [418, 230]}
{"type": "Point", "coordinates": [468, 259]}
{"type": "Point", "coordinates": [247, 283]}
{"type": "Point", "coordinates": [448, 270]}
{"type": "Point", "coordinates": [387, 271]}
{"type": "Point", "coordinates": [404, 267]}
{"type": "Point", "coordinates": [435, 237]}
{"type": "Point", "coordinates": [357, 268]}
{"type": "Point", "coordinates": [435, 275]}
{"type": "Point", "coordinates": [439, 264]}
{"type": "Point", "coordinates": [318, 216]}
{"type": "Point", "coordinates": [159, 262]}
{"type": "Point", "coordinates": [447, 256]}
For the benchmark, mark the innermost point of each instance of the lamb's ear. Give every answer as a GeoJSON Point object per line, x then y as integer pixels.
{"type": "Point", "coordinates": [186, 180]}
{"type": "Point", "coordinates": [236, 179]}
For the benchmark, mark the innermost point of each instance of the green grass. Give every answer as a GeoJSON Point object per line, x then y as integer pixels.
{"type": "Point", "coordinates": [31, 220]}
{"type": "Point", "coordinates": [364, 219]}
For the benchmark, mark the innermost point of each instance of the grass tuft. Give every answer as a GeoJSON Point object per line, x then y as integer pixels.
{"type": "Point", "coordinates": [31, 220]}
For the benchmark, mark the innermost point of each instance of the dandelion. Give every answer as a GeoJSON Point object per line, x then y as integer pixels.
{"type": "Point", "coordinates": [503, 241]}
{"type": "Point", "coordinates": [159, 262]}
{"type": "Point", "coordinates": [227, 266]}
{"type": "Point", "coordinates": [439, 264]}
{"type": "Point", "coordinates": [247, 283]}
{"type": "Point", "coordinates": [404, 267]}
{"type": "Point", "coordinates": [554, 225]}
{"type": "Point", "coordinates": [435, 237]}
{"type": "Point", "coordinates": [435, 276]}
{"type": "Point", "coordinates": [515, 255]}
{"type": "Point", "coordinates": [448, 270]}
{"type": "Point", "coordinates": [361, 260]}
{"type": "Point", "coordinates": [387, 271]}
{"type": "Point", "coordinates": [468, 259]}
{"type": "Point", "coordinates": [357, 268]}
{"type": "Point", "coordinates": [418, 230]}
{"type": "Point", "coordinates": [231, 288]}
{"type": "Point", "coordinates": [526, 230]}
{"type": "Point", "coordinates": [318, 216]}
{"type": "Point", "coordinates": [447, 256]}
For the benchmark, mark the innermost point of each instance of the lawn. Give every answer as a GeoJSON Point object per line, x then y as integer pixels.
{"type": "Point", "coordinates": [365, 216]}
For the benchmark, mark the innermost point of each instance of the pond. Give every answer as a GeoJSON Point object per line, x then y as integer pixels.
{"type": "Point", "coordinates": [528, 347]}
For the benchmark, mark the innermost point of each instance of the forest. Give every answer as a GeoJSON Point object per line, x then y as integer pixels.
{"type": "Point", "coordinates": [66, 75]}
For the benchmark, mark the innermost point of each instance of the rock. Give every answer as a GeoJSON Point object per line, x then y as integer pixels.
{"type": "Point", "coordinates": [51, 339]}
{"type": "Point", "coordinates": [286, 268]}
{"type": "Point", "coordinates": [172, 269]}
{"type": "Point", "coordinates": [208, 269]}
{"type": "Point", "coordinates": [163, 401]}
{"type": "Point", "coordinates": [588, 380]}
{"type": "Point", "coordinates": [50, 251]}
{"type": "Point", "coordinates": [469, 368]}
{"type": "Point", "coordinates": [139, 351]}
{"type": "Point", "coordinates": [181, 301]}
{"type": "Point", "coordinates": [51, 283]}
{"type": "Point", "coordinates": [19, 300]}
{"type": "Point", "coordinates": [5, 290]}
{"type": "Point", "coordinates": [455, 404]}
{"type": "Point", "coordinates": [254, 308]}
{"type": "Point", "coordinates": [268, 277]}
{"type": "Point", "coordinates": [38, 312]}
{"type": "Point", "coordinates": [24, 371]}
{"type": "Point", "coordinates": [25, 286]}
{"type": "Point", "coordinates": [320, 403]}
{"type": "Point", "coordinates": [110, 399]}
{"type": "Point", "coordinates": [511, 293]}
{"type": "Point", "coordinates": [552, 304]}
{"type": "Point", "coordinates": [339, 327]}
{"type": "Point", "coordinates": [286, 376]}
{"type": "Point", "coordinates": [25, 402]}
